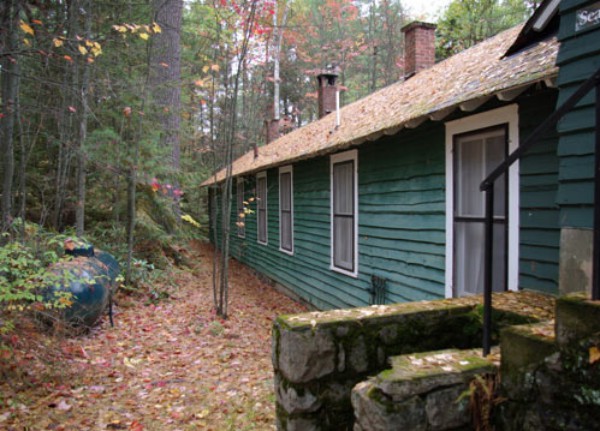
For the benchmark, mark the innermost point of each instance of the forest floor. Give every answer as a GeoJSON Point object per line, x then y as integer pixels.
{"type": "Point", "coordinates": [172, 365]}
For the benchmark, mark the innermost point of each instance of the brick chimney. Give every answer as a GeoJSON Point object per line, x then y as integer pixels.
{"type": "Point", "coordinates": [327, 82]}
{"type": "Point", "coordinates": [419, 47]}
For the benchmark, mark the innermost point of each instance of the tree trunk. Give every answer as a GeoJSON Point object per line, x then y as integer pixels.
{"type": "Point", "coordinates": [231, 112]}
{"type": "Point", "coordinates": [10, 82]}
{"type": "Point", "coordinates": [81, 154]}
{"type": "Point", "coordinates": [165, 76]}
{"type": "Point", "coordinates": [65, 148]}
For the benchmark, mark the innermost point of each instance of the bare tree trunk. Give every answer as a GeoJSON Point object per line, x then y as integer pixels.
{"type": "Point", "coordinates": [10, 82]}
{"type": "Point", "coordinates": [165, 77]}
{"type": "Point", "coordinates": [373, 38]}
{"type": "Point", "coordinates": [65, 150]}
{"type": "Point", "coordinates": [231, 110]}
{"type": "Point", "coordinates": [81, 156]}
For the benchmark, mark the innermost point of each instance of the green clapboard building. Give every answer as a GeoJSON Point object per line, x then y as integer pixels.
{"type": "Point", "coordinates": [379, 201]}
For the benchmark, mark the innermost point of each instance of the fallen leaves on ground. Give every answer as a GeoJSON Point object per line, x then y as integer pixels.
{"type": "Point", "coordinates": [170, 366]}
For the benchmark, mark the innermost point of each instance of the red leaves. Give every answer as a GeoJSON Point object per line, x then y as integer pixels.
{"type": "Point", "coordinates": [159, 365]}
{"type": "Point", "coordinates": [136, 426]}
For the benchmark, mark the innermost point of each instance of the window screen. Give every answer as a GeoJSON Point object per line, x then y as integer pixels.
{"type": "Point", "coordinates": [286, 208]}
{"type": "Point", "coordinates": [343, 215]}
{"type": "Point", "coordinates": [261, 197]}
{"type": "Point", "coordinates": [241, 220]}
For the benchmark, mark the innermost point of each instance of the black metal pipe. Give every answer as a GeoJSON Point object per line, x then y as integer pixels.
{"type": "Point", "coordinates": [542, 129]}
{"type": "Point", "coordinates": [596, 252]}
{"type": "Point", "coordinates": [487, 264]}
{"type": "Point", "coordinates": [487, 185]}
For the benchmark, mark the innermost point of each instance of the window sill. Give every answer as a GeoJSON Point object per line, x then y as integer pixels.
{"type": "Point", "coordinates": [344, 271]}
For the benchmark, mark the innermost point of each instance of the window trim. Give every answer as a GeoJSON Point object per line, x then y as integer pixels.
{"type": "Point", "coordinates": [287, 170]}
{"type": "Point", "coordinates": [241, 231]}
{"type": "Point", "coordinates": [507, 115]}
{"type": "Point", "coordinates": [351, 155]}
{"type": "Point", "coordinates": [260, 175]}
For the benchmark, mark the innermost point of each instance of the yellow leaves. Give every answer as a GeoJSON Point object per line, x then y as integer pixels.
{"type": "Point", "coordinates": [189, 219]}
{"type": "Point", "coordinates": [199, 83]}
{"type": "Point", "coordinates": [594, 354]}
{"type": "Point", "coordinates": [143, 31]}
{"type": "Point", "coordinates": [131, 363]}
{"type": "Point", "coordinates": [94, 48]}
{"type": "Point", "coordinates": [64, 301]}
{"type": "Point", "coordinates": [212, 67]}
{"type": "Point", "coordinates": [85, 48]}
{"type": "Point", "coordinates": [26, 28]}
{"type": "Point", "coordinates": [204, 413]}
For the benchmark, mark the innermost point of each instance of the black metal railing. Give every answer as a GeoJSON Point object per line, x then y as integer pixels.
{"type": "Point", "coordinates": [487, 186]}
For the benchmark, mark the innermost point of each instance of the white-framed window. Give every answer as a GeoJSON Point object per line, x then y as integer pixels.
{"type": "Point", "coordinates": [344, 212]}
{"type": "Point", "coordinates": [477, 137]}
{"type": "Point", "coordinates": [241, 216]}
{"type": "Point", "coordinates": [261, 208]}
{"type": "Point", "coordinates": [286, 210]}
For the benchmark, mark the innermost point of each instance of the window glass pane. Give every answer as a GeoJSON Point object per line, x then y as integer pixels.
{"type": "Point", "coordinates": [285, 185]}
{"type": "Point", "coordinates": [469, 269]}
{"type": "Point", "coordinates": [261, 195]}
{"type": "Point", "coordinates": [470, 201]}
{"type": "Point", "coordinates": [495, 153]}
{"type": "Point", "coordinates": [343, 234]}
{"type": "Point", "coordinates": [286, 231]}
{"type": "Point", "coordinates": [261, 192]}
{"type": "Point", "coordinates": [343, 188]}
{"type": "Point", "coordinates": [241, 226]}
{"type": "Point", "coordinates": [262, 225]}
{"type": "Point", "coordinates": [285, 211]}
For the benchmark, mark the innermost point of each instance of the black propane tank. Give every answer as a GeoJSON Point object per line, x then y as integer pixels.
{"type": "Point", "coordinates": [90, 276]}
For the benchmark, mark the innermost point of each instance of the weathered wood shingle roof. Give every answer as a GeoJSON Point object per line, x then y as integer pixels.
{"type": "Point", "coordinates": [464, 80]}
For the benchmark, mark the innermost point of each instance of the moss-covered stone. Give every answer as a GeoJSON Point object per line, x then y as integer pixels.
{"type": "Point", "coordinates": [327, 353]}
{"type": "Point", "coordinates": [576, 318]}
{"type": "Point", "coordinates": [420, 373]}
{"type": "Point", "coordinates": [524, 350]}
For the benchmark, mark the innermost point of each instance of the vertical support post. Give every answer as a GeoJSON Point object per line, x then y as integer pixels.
{"type": "Point", "coordinates": [596, 252]}
{"type": "Point", "coordinates": [487, 272]}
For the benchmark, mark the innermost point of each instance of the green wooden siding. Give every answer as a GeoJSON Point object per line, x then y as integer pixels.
{"type": "Point", "coordinates": [578, 58]}
{"type": "Point", "coordinates": [401, 225]}
{"type": "Point", "coordinates": [402, 212]}
{"type": "Point", "coordinates": [401, 219]}
{"type": "Point", "coordinates": [539, 212]}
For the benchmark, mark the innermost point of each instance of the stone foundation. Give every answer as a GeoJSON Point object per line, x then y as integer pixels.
{"type": "Point", "coordinates": [319, 357]}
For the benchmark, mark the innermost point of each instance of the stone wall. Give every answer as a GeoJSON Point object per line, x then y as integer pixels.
{"type": "Point", "coordinates": [551, 376]}
{"type": "Point", "coordinates": [421, 392]}
{"type": "Point", "coordinates": [319, 357]}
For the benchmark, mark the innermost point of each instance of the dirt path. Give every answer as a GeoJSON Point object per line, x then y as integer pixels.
{"type": "Point", "coordinates": [171, 366]}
